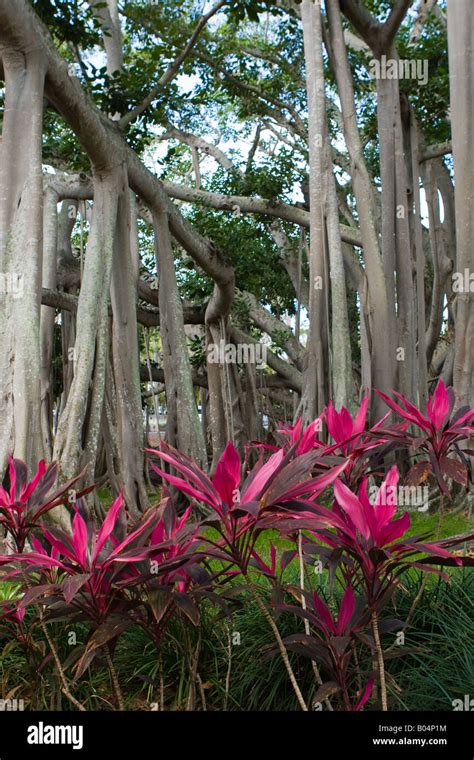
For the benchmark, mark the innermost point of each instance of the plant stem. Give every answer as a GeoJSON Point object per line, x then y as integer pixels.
{"type": "Point", "coordinates": [440, 516]}
{"type": "Point", "coordinates": [307, 630]}
{"type": "Point", "coordinates": [416, 600]}
{"type": "Point", "coordinates": [194, 661]}
{"type": "Point", "coordinates": [59, 667]}
{"type": "Point", "coordinates": [114, 678]}
{"type": "Point", "coordinates": [62, 677]}
{"type": "Point", "coordinates": [381, 666]}
{"type": "Point", "coordinates": [229, 669]}
{"type": "Point", "coordinates": [281, 646]}
{"type": "Point", "coordinates": [201, 692]}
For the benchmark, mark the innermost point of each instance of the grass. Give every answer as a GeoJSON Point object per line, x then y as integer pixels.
{"type": "Point", "coordinates": [441, 670]}
{"type": "Point", "coordinates": [429, 679]}
{"type": "Point", "coordinates": [442, 627]}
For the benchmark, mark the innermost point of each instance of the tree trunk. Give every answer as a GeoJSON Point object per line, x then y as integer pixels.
{"type": "Point", "coordinates": [315, 392]}
{"type": "Point", "coordinates": [461, 73]}
{"type": "Point", "coordinates": [92, 316]}
{"type": "Point", "coordinates": [178, 377]}
{"type": "Point", "coordinates": [50, 254]}
{"type": "Point", "coordinates": [379, 327]}
{"type": "Point", "coordinates": [21, 210]}
{"type": "Point", "coordinates": [126, 361]}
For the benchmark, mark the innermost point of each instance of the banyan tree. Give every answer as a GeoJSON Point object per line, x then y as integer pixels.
{"type": "Point", "coordinates": [272, 178]}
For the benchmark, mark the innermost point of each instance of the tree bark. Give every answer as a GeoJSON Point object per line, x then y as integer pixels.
{"type": "Point", "coordinates": [92, 316]}
{"type": "Point", "coordinates": [315, 392]}
{"type": "Point", "coordinates": [379, 325]}
{"type": "Point", "coordinates": [180, 398]}
{"type": "Point", "coordinates": [126, 359]}
{"type": "Point", "coordinates": [21, 210]}
{"type": "Point", "coordinates": [461, 72]}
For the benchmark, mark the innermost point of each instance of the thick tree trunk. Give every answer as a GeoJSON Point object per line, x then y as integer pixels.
{"type": "Point", "coordinates": [218, 421]}
{"type": "Point", "coordinates": [420, 267]}
{"type": "Point", "coordinates": [379, 326]}
{"type": "Point", "coordinates": [396, 248]}
{"type": "Point", "coordinates": [91, 341]}
{"type": "Point", "coordinates": [108, 17]}
{"type": "Point", "coordinates": [65, 260]}
{"type": "Point", "coordinates": [341, 360]}
{"type": "Point", "coordinates": [315, 393]}
{"type": "Point", "coordinates": [180, 398]}
{"type": "Point", "coordinates": [461, 73]}
{"type": "Point", "coordinates": [126, 360]}
{"type": "Point", "coordinates": [50, 254]}
{"type": "Point", "coordinates": [440, 263]}
{"type": "Point", "coordinates": [21, 210]}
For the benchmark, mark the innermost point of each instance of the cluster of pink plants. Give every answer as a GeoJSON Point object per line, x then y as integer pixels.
{"type": "Point", "coordinates": [312, 492]}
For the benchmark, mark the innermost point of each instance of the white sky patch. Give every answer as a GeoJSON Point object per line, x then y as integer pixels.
{"type": "Point", "coordinates": [241, 145]}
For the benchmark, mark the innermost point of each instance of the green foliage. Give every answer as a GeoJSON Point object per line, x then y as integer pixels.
{"type": "Point", "coordinates": [428, 680]}
{"type": "Point", "coordinates": [441, 626]}
{"type": "Point", "coordinates": [73, 22]}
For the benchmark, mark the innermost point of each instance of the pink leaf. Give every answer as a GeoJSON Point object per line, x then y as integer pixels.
{"type": "Point", "coordinates": [12, 471]}
{"type": "Point", "coordinates": [257, 485]}
{"type": "Point", "coordinates": [465, 418]}
{"type": "Point", "coordinates": [141, 529]}
{"type": "Point", "coordinates": [437, 551]}
{"type": "Point", "coordinates": [438, 405]}
{"type": "Point", "coordinates": [386, 500]}
{"type": "Point", "coordinates": [314, 486]}
{"type": "Point", "coordinates": [63, 549]}
{"type": "Point", "coordinates": [187, 468]}
{"type": "Point", "coordinates": [416, 419]}
{"type": "Point", "coordinates": [108, 526]}
{"type": "Point", "coordinates": [25, 495]}
{"type": "Point", "coordinates": [393, 530]}
{"type": "Point", "coordinates": [184, 486]}
{"type": "Point", "coordinates": [346, 610]}
{"type": "Point", "coordinates": [309, 439]}
{"type": "Point", "coordinates": [352, 506]}
{"type": "Point", "coordinates": [226, 478]}
{"type": "Point", "coordinates": [365, 694]}
{"type": "Point", "coordinates": [323, 612]}
{"type": "Point", "coordinates": [79, 538]}
{"type": "Point", "coordinates": [360, 418]}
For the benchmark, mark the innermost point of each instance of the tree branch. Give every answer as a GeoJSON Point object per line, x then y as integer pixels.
{"type": "Point", "coordinates": [244, 204]}
{"type": "Point", "coordinates": [395, 19]}
{"type": "Point", "coordinates": [378, 36]}
{"type": "Point", "coordinates": [435, 151]}
{"type": "Point", "coordinates": [58, 299]}
{"type": "Point", "coordinates": [290, 374]}
{"type": "Point", "coordinates": [194, 141]}
{"type": "Point", "coordinates": [274, 327]}
{"type": "Point", "coordinates": [365, 24]}
{"type": "Point", "coordinates": [173, 67]}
